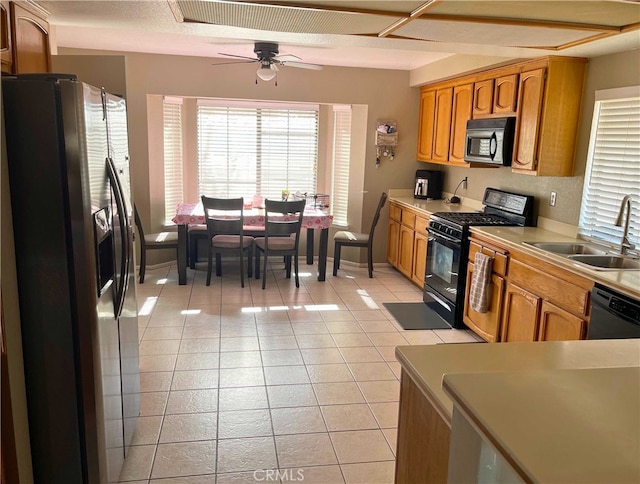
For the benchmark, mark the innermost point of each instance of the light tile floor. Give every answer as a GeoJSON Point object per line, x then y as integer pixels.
{"type": "Point", "coordinates": [278, 385]}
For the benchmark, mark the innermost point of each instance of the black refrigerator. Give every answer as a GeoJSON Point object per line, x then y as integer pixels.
{"type": "Point", "coordinates": [68, 160]}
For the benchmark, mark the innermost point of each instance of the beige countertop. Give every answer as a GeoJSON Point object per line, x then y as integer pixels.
{"type": "Point", "coordinates": [431, 206]}
{"type": "Point", "coordinates": [427, 364]}
{"type": "Point", "coordinates": [577, 425]}
{"type": "Point", "coordinates": [625, 281]}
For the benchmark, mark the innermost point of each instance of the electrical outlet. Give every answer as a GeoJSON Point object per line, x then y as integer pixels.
{"type": "Point", "coordinates": [464, 183]}
{"type": "Point", "coordinates": [552, 199]}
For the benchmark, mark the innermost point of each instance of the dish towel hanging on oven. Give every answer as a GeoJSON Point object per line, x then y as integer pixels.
{"type": "Point", "coordinates": [479, 293]}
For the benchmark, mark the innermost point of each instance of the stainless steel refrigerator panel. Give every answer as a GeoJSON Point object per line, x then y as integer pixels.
{"type": "Point", "coordinates": [128, 322]}
{"type": "Point", "coordinates": [81, 361]}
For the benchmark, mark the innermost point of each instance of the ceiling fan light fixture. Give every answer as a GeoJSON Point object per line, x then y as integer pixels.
{"type": "Point", "coordinates": [265, 73]}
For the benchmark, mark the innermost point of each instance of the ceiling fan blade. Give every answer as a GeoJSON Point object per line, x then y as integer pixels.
{"type": "Point", "coordinates": [303, 65]}
{"type": "Point", "coordinates": [274, 67]}
{"type": "Point", "coordinates": [235, 62]}
{"type": "Point", "coordinates": [239, 56]}
{"type": "Point", "coordinates": [286, 58]}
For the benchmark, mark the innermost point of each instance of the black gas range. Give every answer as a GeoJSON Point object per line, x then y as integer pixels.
{"type": "Point", "coordinates": [448, 248]}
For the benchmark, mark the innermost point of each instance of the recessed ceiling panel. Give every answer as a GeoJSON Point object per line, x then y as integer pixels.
{"type": "Point", "coordinates": [480, 33]}
{"type": "Point", "coordinates": [283, 19]}
{"type": "Point", "coordinates": [595, 12]}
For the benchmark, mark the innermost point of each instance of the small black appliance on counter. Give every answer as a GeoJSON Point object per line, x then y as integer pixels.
{"type": "Point", "coordinates": [428, 185]}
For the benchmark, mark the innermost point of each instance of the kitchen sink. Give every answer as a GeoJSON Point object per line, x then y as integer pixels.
{"type": "Point", "coordinates": [569, 248]}
{"type": "Point", "coordinates": [607, 262]}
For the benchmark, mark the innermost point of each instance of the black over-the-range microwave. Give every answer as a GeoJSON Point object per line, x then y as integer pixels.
{"type": "Point", "coordinates": [490, 141]}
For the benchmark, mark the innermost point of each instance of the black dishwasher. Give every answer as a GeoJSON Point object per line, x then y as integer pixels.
{"type": "Point", "coordinates": [613, 315]}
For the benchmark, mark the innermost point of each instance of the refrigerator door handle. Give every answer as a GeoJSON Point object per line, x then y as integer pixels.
{"type": "Point", "coordinates": [124, 234]}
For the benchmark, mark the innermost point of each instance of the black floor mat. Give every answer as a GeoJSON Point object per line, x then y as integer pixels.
{"type": "Point", "coordinates": [416, 315]}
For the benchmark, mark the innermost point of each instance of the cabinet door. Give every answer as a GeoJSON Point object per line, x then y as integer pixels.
{"type": "Point", "coordinates": [505, 95]}
{"type": "Point", "coordinates": [5, 38]}
{"type": "Point", "coordinates": [558, 325]}
{"type": "Point", "coordinates": [442, 129]}
{"type": "Point", "coordinates": [426, 125]}
{"type": "Point", "coordinates": [486, 325]}
{"type": "Point", "coordinates": [460, 114]}
{"type": "Point", "coordinates": [521, 315]}
{"type": "Point", "coordinates": [405, 250]}
{"type": "Point", "coordinates": [530, 93]}
{"type": "Point", "coordinates": [30, 41]}
{"type": "Point", "coordinates": [482, 98]}
{"type": "Point", "coordinates": [419, 258]}
{"type": "Point", "coordinates": [393, 237]}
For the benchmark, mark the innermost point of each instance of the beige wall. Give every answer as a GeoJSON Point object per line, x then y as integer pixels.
{"type": "Point", "coordinates": [614, 70]}
{"type": "Point", "coordinates": [385, 93]}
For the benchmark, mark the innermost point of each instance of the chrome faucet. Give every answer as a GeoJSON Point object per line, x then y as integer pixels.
{"type": "Point", "coordinates": [625, 243]}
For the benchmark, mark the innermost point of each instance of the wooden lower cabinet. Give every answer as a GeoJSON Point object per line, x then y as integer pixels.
{"type": "Point", "coordinates": [393, 237]}
{"type": "Point", "coordinates": [423, 438]}
{"type": "Point", "coordinates": [419, 258]}
{"type": "Point", "coordinates": [559, 325]}
{"type": "Point", "coordinates": [486, 325]}
{"type": "Point", "coordinates": [407, 241]}
{"type": "Point", "coordinates": [521, 315]}
{"type": "Point", "coordinates": [405, 250]}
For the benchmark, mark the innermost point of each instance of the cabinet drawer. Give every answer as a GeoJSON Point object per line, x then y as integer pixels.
{"type": "Point", "coordinates": [500, 257]}
{"type": "Point", "coordinates": [421, 225]}
{"type": "Point", "coordinates": [408, 219]}
{"type": "Point", "coordinates": [564, 294]}
{"type": "Point", "coordinates": [395, 212]}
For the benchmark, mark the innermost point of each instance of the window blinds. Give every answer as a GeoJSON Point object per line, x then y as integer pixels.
{"type": "Point", "coordinates": [613, 168]}
{"type": "Point", "coordinates": [245, 150]}
{"type": "Point", "coordinates": [341, 156]}
{"type": "Point", "coordinates": [172, 109]}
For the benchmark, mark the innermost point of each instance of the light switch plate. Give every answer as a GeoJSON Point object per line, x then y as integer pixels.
{"type": "Point", "coordinates": [552, 199]}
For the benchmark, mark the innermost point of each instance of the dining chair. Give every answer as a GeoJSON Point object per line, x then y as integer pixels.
{"type": "Point", "coordinates": [159, 240]}
{"type": "Point", "coordinates": [357, 239]}
{"type": "Point", "coordinates": [283, 221]}
{"type": "Point", "coordinates": [224, 217]}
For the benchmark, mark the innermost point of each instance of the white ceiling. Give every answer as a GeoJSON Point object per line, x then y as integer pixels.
{"type": "Point", "coordinates": [150, 26]}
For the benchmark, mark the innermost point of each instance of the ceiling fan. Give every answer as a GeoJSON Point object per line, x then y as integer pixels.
{"type": "Point", "coordinates": [267, 54]}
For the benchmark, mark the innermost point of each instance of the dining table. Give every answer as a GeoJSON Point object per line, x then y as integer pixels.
{"type": "Point", "coordinates": [312, 219]}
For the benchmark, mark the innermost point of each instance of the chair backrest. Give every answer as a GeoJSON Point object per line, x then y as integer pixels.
{"type": "Point", "coordinates": [376, 217]}
{"type": "Point", "coordinates": [224, 216]}
{"type": "Point", "coordinates": [278, 227]}
{"type": "Point", "coordinates": [138, 222]}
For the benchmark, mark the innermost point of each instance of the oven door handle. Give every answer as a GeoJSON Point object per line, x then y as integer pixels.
{"type": "Point", "coordinates": [442, 236]}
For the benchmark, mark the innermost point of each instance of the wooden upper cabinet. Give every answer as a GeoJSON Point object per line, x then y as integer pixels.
{"type": "Point", "coordinates": [442, 124]}
{"type": "Point", "coordinates": [5, 38]}
{"type": "Point", "coordinates": [505, 95]}
{"type": "Point", "coordinates": [426, 124]}
{"type": "Point", "coordinates": [30, 37]}
{"type": "Point", "coordinates": [461, 113]}
{"type": "Point", "coordinates": [544, 95]}
{"type": "Point", "coordinates": [482, 98]}
{"type": "Point", "coordinates": [531, 90]}
{"type": "Point", "coordinates": [549, 102]}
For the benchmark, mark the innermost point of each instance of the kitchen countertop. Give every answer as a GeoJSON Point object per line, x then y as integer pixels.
{"type": "Point", "coordinates": [624, 281]}
{"type": "Point", "coordinates": [577, 425]}
{"type": "Point", "coordinates": [431, 206]}
{"type": "Point", "coordinates": [427, 364]}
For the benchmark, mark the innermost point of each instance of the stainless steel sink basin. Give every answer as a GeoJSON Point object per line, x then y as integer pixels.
{"type": "Point", "coordinates": [569, 248]}
{"type": "Point", "coordinates": [607, 262]}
